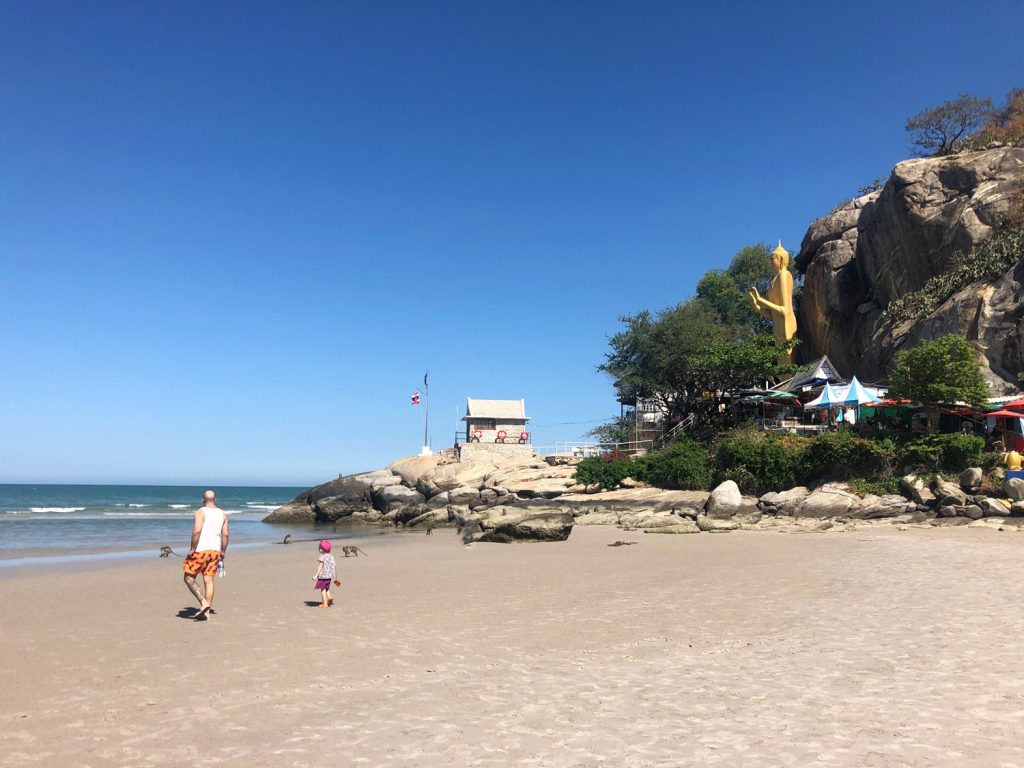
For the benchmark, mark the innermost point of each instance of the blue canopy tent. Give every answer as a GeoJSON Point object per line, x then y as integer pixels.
{"type": "Point", "coordinates": [827, 399]}
{"type": "Point", "coordinates": [856, 395]}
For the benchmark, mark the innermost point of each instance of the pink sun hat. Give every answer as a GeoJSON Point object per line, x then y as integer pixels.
{"type": "Point", "coordinates": [325, 545]}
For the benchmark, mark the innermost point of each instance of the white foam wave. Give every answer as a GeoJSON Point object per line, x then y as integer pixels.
{"type": "Point", "coordinates": [56, 509]}
{"type": "Point", "coordinates": [262, 506]}
{"type": "Point", "coordinates": [140, 505]}
{"type": "Point", "coordinates": [178, 506]}
{"type": "Point", "coordinates": [146, 515]}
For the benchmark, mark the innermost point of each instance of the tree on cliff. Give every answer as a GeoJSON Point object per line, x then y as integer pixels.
{"type": "Point", "coordinates": [943, 371]}
{"type": "Point", "coordinates": [725, 290]}
{"type": "Point", "coordinates": [944, 129]}
{"type": "Point", "coordinates": [1005, 125]}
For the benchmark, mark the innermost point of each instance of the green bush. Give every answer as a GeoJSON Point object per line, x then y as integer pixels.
{"type": "Point", "coordinates": [683, 465]}
{"type": "Point", "coordinates": [760, 462]}
{"type": "Point", "coordinates": [842, 455]}
{"type": "Point", "coordinates": [607, 473]}
{"type": "Point", "coordinates": [953, 453]}
{"type": "Point", "coordinates": [886, 485]}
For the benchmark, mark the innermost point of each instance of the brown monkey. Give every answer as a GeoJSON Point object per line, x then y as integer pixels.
{"type": "Point", "coordinates": [352, 550]}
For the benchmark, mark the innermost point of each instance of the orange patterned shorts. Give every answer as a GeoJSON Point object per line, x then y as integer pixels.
{"type": "Point", "coordinates": [204, 562]}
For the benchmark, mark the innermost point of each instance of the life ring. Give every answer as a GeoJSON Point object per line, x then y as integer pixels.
{"type": "Point", "coordinates": [477, 435]}
{"type": "Point", "coordinates": [524, 437]}
{"type": "Point", "coordinates": [502, 434]}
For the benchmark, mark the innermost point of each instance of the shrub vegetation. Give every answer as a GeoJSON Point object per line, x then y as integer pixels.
{"type": "Point", "coordinates": [683, 465]}
{"type": "Point", "coordinates": [758, 461]}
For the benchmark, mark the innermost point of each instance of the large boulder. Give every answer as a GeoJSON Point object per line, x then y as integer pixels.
{"type": "Point", "coordinates": [380, 478]}
{"type": "Point", "coordinates": [412, 469]}
{"type": "Point", "coordinates": [1013, 489]}
{"type": "Point", "coordinates": [948, 492]}
{"type": "Point", "coordinates": [464, 494]}
{"type": "Point", "coordinates": [970, 479]}
{"type": "Point", "coordinates": [884, 245]}
{"type": "Point", "coordinates": [517, 523]}
{"type": "Point", "coordinates": [636, 500]}
{"type": "Point", "coordinates": [916, 488]}
{"type": "Point", "coordinates": [878, 507]}
{"type": "Point", "coordinates": [783, 502]}
{"type": "Point", "coordinates": [348, 495]}
{"type": "Point", "coordinates": [532, 478]}
{"type": "Point", "coordinates": [831, 500]}
{"type": "Point", "coordinates": [396, 497]}
{"type": "Point", "coordinates": [725, 500]}
{"type": "Point", "coordinates": [452, 476]}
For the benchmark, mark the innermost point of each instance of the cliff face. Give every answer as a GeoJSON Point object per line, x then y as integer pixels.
{"type": "Point", "coordinates": [884, 245]}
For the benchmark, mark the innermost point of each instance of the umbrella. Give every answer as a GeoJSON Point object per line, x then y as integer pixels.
{"type": "Point", "coordinates": [855, 394]}
{"type": "Point", "coordinates": [827, 399]}
{"type": "Point", "coordinates": [1015, 404]}
{"type": "Point", "coordinates": [894, 403]}
{"type": "Point", "coordinates": [1004, 415]}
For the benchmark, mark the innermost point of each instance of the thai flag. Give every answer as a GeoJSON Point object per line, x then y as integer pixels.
{"type": "Point", "coordinates": [416, 397]}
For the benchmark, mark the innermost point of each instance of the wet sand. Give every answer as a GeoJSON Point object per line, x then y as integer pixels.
{"type": "Point", "coordinates": [875, 647]}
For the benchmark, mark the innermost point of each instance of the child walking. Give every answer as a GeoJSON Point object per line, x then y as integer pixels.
{"type": "Point", "coordinates": [325, 572]}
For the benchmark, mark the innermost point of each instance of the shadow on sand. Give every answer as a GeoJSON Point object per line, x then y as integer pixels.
{"type": "Point", "coordinates": [191, 613]}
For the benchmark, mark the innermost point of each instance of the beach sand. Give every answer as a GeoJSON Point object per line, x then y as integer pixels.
{"type": "Point", "coordinates": [876, 647]}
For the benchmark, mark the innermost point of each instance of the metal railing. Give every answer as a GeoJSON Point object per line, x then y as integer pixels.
{"type": "Point", "coordinates": [683, 426]}
{"type": "Point", "coordinates": [585, 449]}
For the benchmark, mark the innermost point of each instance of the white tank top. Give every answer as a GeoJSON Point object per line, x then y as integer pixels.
{"type": "Point", "coordinates": [209, 538]}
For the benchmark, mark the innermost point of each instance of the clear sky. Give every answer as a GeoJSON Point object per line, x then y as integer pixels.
{"type": "Point", "coordinates": [233, 236]}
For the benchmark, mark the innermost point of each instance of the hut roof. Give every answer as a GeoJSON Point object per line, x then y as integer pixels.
{"type": "Point", "coordinates": [495, 409]}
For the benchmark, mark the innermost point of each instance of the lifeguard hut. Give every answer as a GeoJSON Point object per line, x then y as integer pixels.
{"type": "Point", "coordinates": [495, 427]}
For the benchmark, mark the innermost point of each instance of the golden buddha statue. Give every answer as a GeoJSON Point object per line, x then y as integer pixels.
{"type": "Point", "coordinates": [778, 305]}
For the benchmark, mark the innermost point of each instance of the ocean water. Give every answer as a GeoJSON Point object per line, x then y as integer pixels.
{"type": "Point", "coordinates": [68, 519]}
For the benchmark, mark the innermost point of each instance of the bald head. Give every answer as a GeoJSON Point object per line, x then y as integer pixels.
{"type": "Point", "coordinates": [209, 497]}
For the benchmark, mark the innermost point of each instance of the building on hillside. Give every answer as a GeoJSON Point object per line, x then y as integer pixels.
{"type": "Point", "coordinates": [495, 427]}
{"type": "Point", "coordinates": [645, 418]}
{"type": "Point", "coordinates": [814, 375]}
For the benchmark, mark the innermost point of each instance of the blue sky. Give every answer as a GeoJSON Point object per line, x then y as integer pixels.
{"type": "Point", "coordinates": [233, 236]}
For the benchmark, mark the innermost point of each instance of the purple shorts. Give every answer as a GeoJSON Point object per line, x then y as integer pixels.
{"type": "Point", "coordinates": [322, 584]}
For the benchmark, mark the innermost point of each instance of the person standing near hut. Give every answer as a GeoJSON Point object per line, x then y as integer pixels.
{"type": "Point", "coordinates": [778, 305]}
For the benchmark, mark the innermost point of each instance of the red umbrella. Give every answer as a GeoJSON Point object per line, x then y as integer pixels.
{"type": "Point", "coordinates": [1015, 404]}
{"type": "Point", "coordinates": [1004, 415]}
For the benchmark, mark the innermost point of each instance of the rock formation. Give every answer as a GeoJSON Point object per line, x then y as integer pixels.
{"type": "Point", "coordinates": [888, 243]}
{"type": "Point", "coordinates": [529, 499]}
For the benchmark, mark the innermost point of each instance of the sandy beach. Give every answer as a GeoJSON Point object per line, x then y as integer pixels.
{"type": "Point", "coordinates": [876, 647]}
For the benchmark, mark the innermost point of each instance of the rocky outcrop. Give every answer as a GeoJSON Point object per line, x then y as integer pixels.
{"type": "Point", "coordinates": [881, 246]}
{"type": "Point", "coordinates": [327, 502]}
{"type": "Point", "coordinates": [530, 500]}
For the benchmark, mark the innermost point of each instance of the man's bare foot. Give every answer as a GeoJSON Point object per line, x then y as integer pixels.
{"type": "Point", "coordinates": [323, 605]}
{"type": "Point", "coordinates": [203, 611]}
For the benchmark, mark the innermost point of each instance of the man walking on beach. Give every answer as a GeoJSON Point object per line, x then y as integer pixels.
{"type": "Point", "coordinates": [209, 543]}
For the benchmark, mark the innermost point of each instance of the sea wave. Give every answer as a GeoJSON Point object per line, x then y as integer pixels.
{"type": "Point", "coordinates": [178, 506]}
{"type": "Point", "coordinates": [146, 515]}
{"type": "Point", "coordinates": [253, 506]}
{"type": "Point", "coordinates": [140, 505]}
{"type": "Point", "coordinates": [56, 509]}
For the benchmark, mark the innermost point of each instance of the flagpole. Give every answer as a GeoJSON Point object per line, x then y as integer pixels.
{"type": "Point", "coordinates": [426, 415]}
